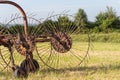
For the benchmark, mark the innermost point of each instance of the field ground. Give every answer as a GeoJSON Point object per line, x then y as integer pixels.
{"type": "Point", "coordinates": [103, 63]}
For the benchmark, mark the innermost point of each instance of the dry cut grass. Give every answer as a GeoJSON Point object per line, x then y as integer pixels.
{"type": "Point", "coordinates": [103, 63]}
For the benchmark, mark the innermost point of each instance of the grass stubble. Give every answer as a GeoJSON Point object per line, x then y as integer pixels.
{"type": "Point", "coordinates": [103, 63]}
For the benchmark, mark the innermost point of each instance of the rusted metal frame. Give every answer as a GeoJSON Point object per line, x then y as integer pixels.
{"type": "Point", "coordinates": [42, 40]}
{"type": "Point", "coordinates": [23, 14]}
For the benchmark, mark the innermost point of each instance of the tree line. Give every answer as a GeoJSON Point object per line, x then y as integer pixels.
{"type": "Point", "coordinates": [106, 21]}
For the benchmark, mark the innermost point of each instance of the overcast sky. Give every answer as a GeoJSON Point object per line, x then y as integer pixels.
{"type": "Point", "coordinates": [43, 7]}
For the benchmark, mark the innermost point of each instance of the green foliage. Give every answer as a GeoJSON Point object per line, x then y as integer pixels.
{"type": "Point", "coordinates": [35, 29]}
{"type": "Point", "coordinates": [81, 18]}
{"type": "Point", "coordinates": [3, 30]}
{"type": "Point", "coordinates": [18, 28]}
{"type": "Point", "coordinates": [107, 20]}
{"type": "Point", "coordinates": [64, 23]}
{"type": "Point", "coordinates": [14, 29]}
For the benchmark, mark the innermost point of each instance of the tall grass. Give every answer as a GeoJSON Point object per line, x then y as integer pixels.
{"type": "Point", "coordinates": [98, 37]}
{"type": "Point", "coordinates": [102, 64]}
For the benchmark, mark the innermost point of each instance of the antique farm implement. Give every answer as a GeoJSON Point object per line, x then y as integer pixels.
{"type": "Point", "coordinates": [52, 43]}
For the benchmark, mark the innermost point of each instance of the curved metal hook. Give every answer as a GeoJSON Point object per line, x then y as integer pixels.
{"type": "Point", "coordinates": [22, 12]}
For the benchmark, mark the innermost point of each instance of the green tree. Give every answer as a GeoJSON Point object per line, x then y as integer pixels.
{"type": "Point", "coordinates": [14, 29]}
{"type": "Point", "coordinates": [81, 18]}
{"type": "Point", "coordinates": [63, 21]}
{"type": "Point", "coordinates": [81, 21]}
{"type": "Point", "coordinates": [66, 24]}
{"type": "Point", "coordinates": [106, 21]}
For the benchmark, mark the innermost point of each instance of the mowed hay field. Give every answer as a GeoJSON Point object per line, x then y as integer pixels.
{"type": "Point", "coordinates": [103, 63]}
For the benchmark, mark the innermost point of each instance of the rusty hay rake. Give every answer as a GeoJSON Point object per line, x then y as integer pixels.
{"type": "Point", "coordinates": [50, 43]}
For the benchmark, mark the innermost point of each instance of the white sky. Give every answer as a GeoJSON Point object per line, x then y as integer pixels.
{"type": "Point", "coordinates": [43, 7]}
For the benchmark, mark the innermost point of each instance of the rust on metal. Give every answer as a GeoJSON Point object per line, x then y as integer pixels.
{"type": "Point", "coordinates": [61, 42]}
{"type": "Point", "coordinates": [22, 12]}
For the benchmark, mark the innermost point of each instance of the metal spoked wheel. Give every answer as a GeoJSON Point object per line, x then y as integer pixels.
{"type": "Point", "coordinates": [64, 48]}
{"type": "Point", "coordinates": [14, 27]}
{"type": "Point", "coordinates": [4, 58]}
{"type": "Point", "coordinates": [5, 54]}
